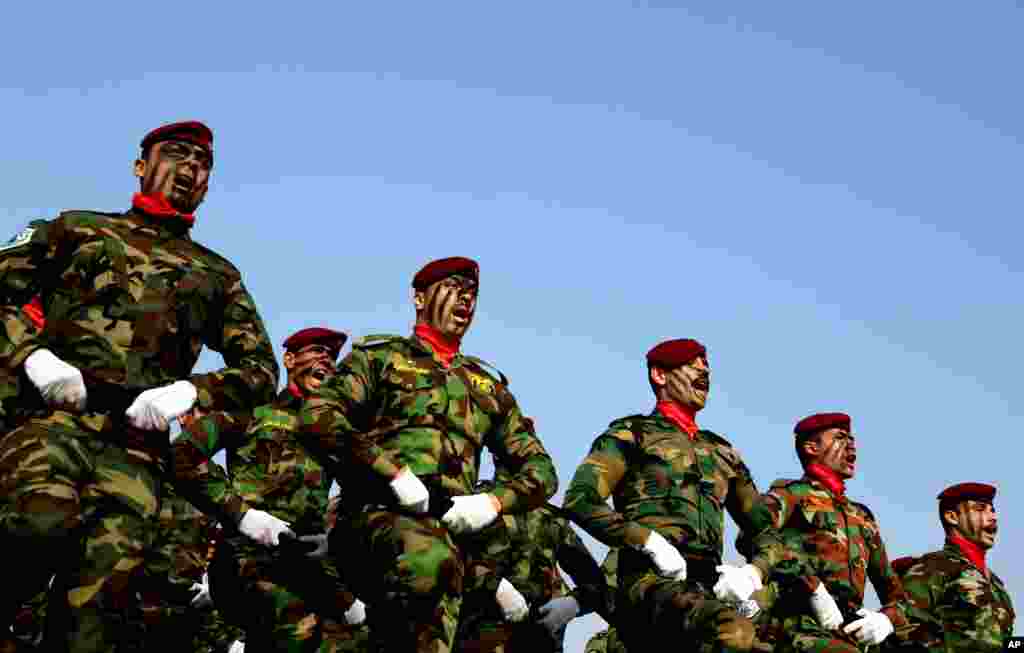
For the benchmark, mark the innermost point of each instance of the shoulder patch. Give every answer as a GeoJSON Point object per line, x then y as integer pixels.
{"type": "Point", "coordinates": [376, 340]}
{"type": "Point", "coordinates": [488, 369]}
{"type": "Point", "coordinates": [21, 238]}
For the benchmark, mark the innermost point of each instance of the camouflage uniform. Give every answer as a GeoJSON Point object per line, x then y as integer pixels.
{"type": "Point", "coordinates": [661, 480]}
{"type": "Point", "coordinates": [840, 545]}
{"type": "Point", "coordinates": [130, 300]}
{"type": "Point", "coordinates": [280, 597]}
{"type": "Point", "coordinates": [956, 607]}
{"type": "Point", "coordinates": [394, 404]}
{"type": "Point", "coordinates": [607, 640]}
{"type": "Point", "coordinates": [526, 550]}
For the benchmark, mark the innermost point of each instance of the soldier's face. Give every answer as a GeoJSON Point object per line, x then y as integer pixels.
{"type": "Point", "coordinates": [310, 366]}
{"type": "Point", "coordinates": [179, 170]}
{"type": "Point", "coordinates": [687, 385]}
{"type": "Point", "coordinates": [448, 305]}
{"type": "Point", "coordinates": [836, 449]}
{"type": "Point", "coordinates": [976, 521]}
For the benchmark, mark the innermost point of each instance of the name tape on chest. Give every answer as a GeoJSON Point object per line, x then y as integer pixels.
{"type": "Point", "coordinates": [19, 239]}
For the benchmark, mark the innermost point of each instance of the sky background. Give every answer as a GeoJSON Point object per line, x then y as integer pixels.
{"type": "Point", "coordinates": [825, 194]}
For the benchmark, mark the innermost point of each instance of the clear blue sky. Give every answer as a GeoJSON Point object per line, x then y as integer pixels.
{"type": "Point", "coordinates": [826, 195]}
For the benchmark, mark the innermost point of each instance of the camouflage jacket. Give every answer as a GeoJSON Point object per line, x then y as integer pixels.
{"type": "Point", "coordinates": [838, 543]}
{"type": "Point", "coordinates": [393, 404]}
{"type": "Point", "coordinates": [660, 480]}
{"type": "Point", "coordinates": [960, 609]}
{"type": "Point", "coordinates": [130, 300]}
{"type": "Point", "coordinates": [269, 470]}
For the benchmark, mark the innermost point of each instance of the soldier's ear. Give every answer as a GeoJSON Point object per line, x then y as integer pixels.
{"type": "Point", "coordinates": [139, 168]}
{"type": "Point", "coordinates": [951, 518]}
{"type": "Point", "coordinates": [289, 360]}
{"type": "Point", "coordinates": [658, 376]}
{"type": "Point", "coordinates": [811, 446]}
{"type": "Point", "coordinates": [419, 299]}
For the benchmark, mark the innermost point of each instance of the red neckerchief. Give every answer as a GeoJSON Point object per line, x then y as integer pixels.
{"type": "Point", "coordinates": [828, 478]}
{"type": "Point", "coordinates": [683, 417]}
{"type": "Point", "coordinates": [971, 551]}
{"type": "Point", "coordinates": [293, 389]}
{"type": "Point", "coordinates": [156, 204]}
{"type": "Point", "coordinates": [34, 311]}
{"type": "Point", "coordinates": [444, 347]}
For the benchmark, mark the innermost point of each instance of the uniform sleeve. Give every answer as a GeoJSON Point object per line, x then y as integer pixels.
{"type": "Point", "coordinates": [752, 515]}
{"type": "Point", "coordinates": [887, 583]}
{"type": "Point", "coordinates": [532, 478]}
{"type": "Point", "coordinates": [196, 477]}
{"type": "Point", "coordinates": [591, 591]}
{"type": "Point", "coordinates": [595, 480]}
{"type": "Point", "coordinates": [335, 421]}
{"type": "Point", "coordinates": [923, 589]}
{"type": "Point", "coordinates": [249, 378]}
{"type": "Point", "coordinates": [27, 269]}
{"type": "Point", "coordinates": [793, 572]}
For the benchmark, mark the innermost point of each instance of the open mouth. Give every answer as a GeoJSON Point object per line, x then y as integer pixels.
{"type": "Point", "coordinates": [702, 383]}
{"type": "Point", "coordinates": [990, 530]}
{"type": "Point", "coordinates": [183, 183]}
{"type": "Point", "coordinates": [461, 313]}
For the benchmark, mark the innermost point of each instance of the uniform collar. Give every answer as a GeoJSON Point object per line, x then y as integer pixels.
{"type": "Point", "coordinates": [680, 417]}
{"type": "Point", "coordinates": [443, 350]}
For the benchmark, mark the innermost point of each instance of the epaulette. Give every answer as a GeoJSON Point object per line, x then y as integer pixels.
{"type": "Point", "coordinates": [376, 339]}
{"type": "Point", "coordinates": [865, 509]}
{"type": "Point", "coordinates": [631, 423]}
{"type": "Point", "coordinates": [487, 367]}
{"type": "Point", "coordinates": [784, 482]}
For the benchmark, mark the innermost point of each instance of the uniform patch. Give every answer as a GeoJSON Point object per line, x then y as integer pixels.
{"type": "Point", "coordinates": [21, 238]}
{"type": "Point", "coordinates": [481, 382]}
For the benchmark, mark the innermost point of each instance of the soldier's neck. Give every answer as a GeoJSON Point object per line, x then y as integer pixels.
{"type": "Point", "coordinates": [444, 347]}
{"type": "Point", "coordinates": [971, 551]}
{"type": "Point", "coordinates": [827, 477]}
{"type": "Point", "coordinates": [684, 417]}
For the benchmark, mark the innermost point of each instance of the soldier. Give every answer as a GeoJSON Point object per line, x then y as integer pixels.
{"type": "Point", "coordinates": [525, 551]}
{"type": "Point", "coordinates": [608, 640]}
{"type": "Point", "coordinates": [405, 420]}
{"type": "Point", "coordinates": [670, 481]}
{"type": "Point", "coordinates": [961, 605]}
{"type": "Point", "coordinates": [339, 635]}
{"type": "Point", "coordinates": [840, 547]}
{"type": "Point", "coordinates": [129, 300]}
{"type": "Point", "coordinates": [279, 597]}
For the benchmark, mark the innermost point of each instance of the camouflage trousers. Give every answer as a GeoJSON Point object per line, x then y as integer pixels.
{"type": "Point", "coordinates": [282, 600]}
{"type": "Point", "coordinates": [606, 641]}
{"type": "Point", "coordinates": [77, 502]}
{"type": "Point", "coordinates": [410, 572]}
{"type": "Point", "coordinates": [683, 612]}
{"type": "Point", "coordinates": [185, 629]}
{"type": "Point", "coordinates": [476, 635]}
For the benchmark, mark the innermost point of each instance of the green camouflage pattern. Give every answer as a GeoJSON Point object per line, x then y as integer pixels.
{"type": "Point", "coordinates": [607, 640]}
{"type": "Point", "coordinates": [957, 607]}
{"type": "Point", "coordinates": [131, 300]}
{"type": "Point", "coordinates": [393, 404]}
{"type": "Point", "coordinates": [661, 480]}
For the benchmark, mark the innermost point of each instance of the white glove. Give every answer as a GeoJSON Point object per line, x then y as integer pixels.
{"type": "Point", "coordinates": [410, 491]}
{"type": "Point", "coordinates": [666, 558]}
{"type": "Point", "coordinates": [825, 609]}
{"type": "Point", "coordinates": [263, 527]}
{"type": "Point", "coordinates": [153, 409]}
{"type": "Point", "coordinates": [557, 612]}
{"type": "Point", "coordinates": [237, 646]}
{"type": "Point", "coordinates": [470, 513]}
{"type": "Point", "coordinates": [513, 605]}
{"type": "Point", "coordinates": [60, 384]}
{"type": "Point", "coordinates": [202, 599]}
{"type": "Point", "coordinates": [872, 628]}
{"type": "Point", "coordinates": [748, 609]}
{"type": "Point", "coordinates": [320, 540]}
{"type": "Point", "coordinates": [356, 613]}
{"type": "Point", "coordinates": [737, 583]}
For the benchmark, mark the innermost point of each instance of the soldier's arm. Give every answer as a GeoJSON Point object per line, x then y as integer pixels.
{"type": "Point", "coordinates": [595, 479]}
{"type": "Point", "coordinates": [335, 421]}
{"type": "Point", "coordinates": [924, 589]}
{"type": "Point", "coordinates": [591, 590]}
{"type": "Point", "coordinates": [194, 475]}
{"type": "Point", "coordinates": [754, 518]}
{"type": "Point", "coordinates": [793, 572]}
{"type": "Point", "coordinates": [886, 582]}
{"type": "Point", "coordinates": [249, 377]}
{"type": "Point", "coordinates": [26, 270]}
{"type": "Point", "coordinates": [517, 449]}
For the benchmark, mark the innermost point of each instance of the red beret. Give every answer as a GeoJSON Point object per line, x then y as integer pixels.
{"type": "Point", "coordinates": [673, 353]}
{"type": "Point", "coordinates": [333, 339]}
{"type": "Point", "coordinates": [901, 565]}
{"type": "Point", "coordinates": [190, 131]}
{"type": "Point", "coordinates": [445, 267]}
{"type": "Point", "coordinates": [820, 422]}
{"type": "Point", "coordinates": [965, 491]}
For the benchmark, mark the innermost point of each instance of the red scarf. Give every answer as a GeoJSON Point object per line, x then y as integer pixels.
{"type": "Point", "coordinates": [971, 551]}
{"type": "Point", "coordinates": [683, 417]}
{"type": "Point", "coordinates": [156, 204]}
{"type": "Point", "coordinates": [828, 478]}
{"type": "Point", "coordinates": [295, 392]}
{"type": "Point", "coordinates": [444, 347]}
{"type": "Point", "coordinates": [34, 311]}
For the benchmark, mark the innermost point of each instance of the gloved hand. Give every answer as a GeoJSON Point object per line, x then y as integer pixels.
{"type": "Point", "coordinates": [356, 613]}
{"type": "Point", "coordinates": [871, 629]}
{"type": "Point", "coordinates": [748, 609]}
{"type": "Point", "coordinates": [60, 384]}
{"type": "Point", "coordinates": [237, 646]}
{"type": "Point", "coordinates": [666, 558]}
{"type": "Point", "coordinates": [153, 409]}
{"type": "Point", "coordinates": [513, 606]}
{"type": "Point", "coordinates": [412, 494]}
{"type": "Point", "coordinates": [202, 598]}
{"type": "Point", "coordinates": [557, 612]}
{"type": "Point", "coordinates": [470, 513]}
{"type": "Point", "coordinates": [319, 541]}
{"type": "Point", "coordinates": [825, 609]}
{"type": "Point", "coordinates": [737, 583]}
{"type": "Point", "coordinates": [264, 527]}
